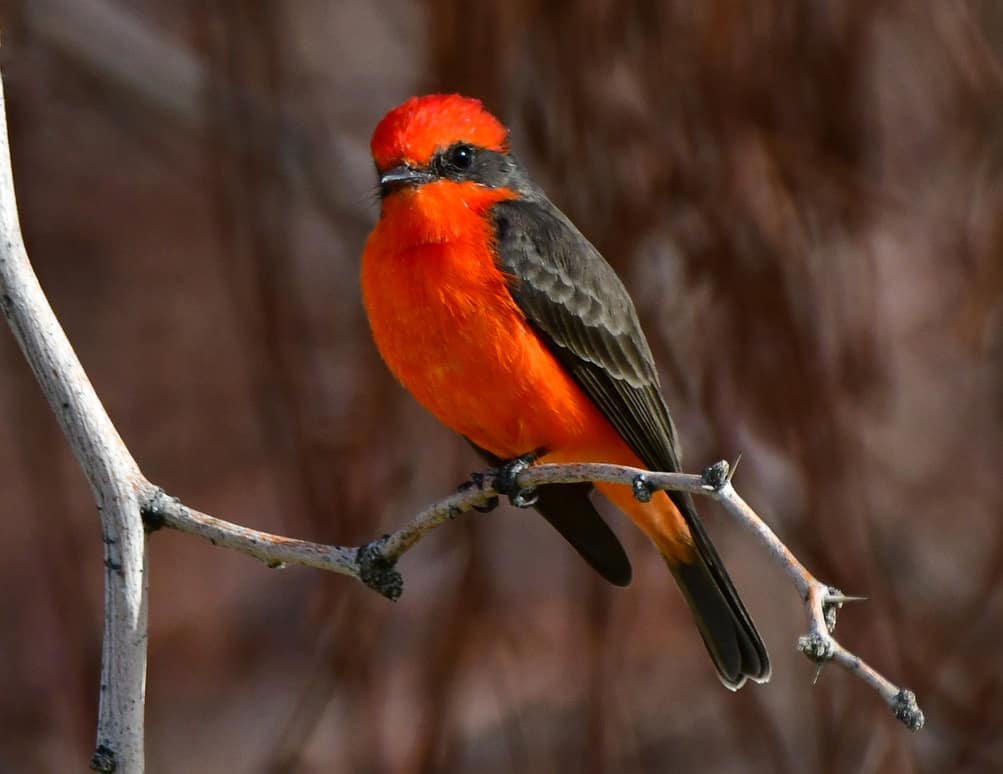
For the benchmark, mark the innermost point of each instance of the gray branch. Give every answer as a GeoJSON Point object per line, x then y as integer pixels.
{"type": "Point", "coordinates": [111, 472]}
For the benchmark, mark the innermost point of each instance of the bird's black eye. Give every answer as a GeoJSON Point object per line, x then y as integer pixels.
{"type": "Point", "coordinates": [460, 157]}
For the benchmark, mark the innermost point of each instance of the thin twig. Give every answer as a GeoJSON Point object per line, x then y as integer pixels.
{"type": "Point", "coordinates": [375, 563]}
{"type": "Point", "coordinates": [159, 510]}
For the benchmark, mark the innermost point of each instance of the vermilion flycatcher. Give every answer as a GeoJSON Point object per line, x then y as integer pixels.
{"type": "Point", "coordinates": [501, 319]}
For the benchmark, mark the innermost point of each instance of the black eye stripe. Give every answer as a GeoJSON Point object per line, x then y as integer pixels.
{"type": "Point", "coordinates": [463, 162]}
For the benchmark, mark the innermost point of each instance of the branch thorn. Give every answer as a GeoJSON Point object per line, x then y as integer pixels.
{"type": "Point", "coordinates": [734, 467]}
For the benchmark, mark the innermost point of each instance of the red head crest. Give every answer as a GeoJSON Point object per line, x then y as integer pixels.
{"type": "Point", "coordinates": [413, 131]}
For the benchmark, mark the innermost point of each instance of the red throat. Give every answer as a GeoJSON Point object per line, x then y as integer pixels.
{"type": "Point", "coordinates": [439, 212]}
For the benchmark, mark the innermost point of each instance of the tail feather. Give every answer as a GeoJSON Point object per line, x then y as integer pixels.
{"type": "Point", "coordinates": [727, 629]}
{"type": "Point", "coordinates": [731, 637]}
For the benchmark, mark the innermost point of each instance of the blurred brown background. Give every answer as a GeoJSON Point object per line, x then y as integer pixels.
{"type": "Point", "coordinates": [803, 197]}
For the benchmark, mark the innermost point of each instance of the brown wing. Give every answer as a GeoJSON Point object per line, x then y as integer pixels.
{"type": "Point", "coordinates": [582, 311]}
{"type": "Point", "coordinates": [575, 300]}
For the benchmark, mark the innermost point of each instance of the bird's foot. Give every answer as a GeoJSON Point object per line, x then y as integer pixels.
{"type": "Point", "coordinates": [642, 488]}
{"type": "Point", "coordinates": [505, 481]}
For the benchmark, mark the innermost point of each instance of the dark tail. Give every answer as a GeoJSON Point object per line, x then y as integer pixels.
{"type": "Point", "coordinates": [727, 629]}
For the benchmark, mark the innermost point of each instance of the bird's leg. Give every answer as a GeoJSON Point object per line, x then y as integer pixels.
{"type": "Point", "coordinates": [505, 480]}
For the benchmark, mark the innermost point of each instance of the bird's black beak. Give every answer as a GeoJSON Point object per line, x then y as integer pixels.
{"type": "Point", "coordinates": [402, 177]}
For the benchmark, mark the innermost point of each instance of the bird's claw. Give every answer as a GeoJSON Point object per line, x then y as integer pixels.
{"type": "Point", "coordinates": [505, 482]}
{"type": "Point", "coordinates": [642, 488]}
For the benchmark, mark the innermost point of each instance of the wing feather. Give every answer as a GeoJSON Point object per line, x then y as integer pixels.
{"type": "Point", "coordinates": [575, 300]}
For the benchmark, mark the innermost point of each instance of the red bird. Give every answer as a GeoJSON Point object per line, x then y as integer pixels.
{"type": "Point", "coordinates": [505, 322]}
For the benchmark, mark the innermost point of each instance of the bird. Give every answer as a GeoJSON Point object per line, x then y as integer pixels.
{"type": "Point", "coordinates": [499, 317]}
